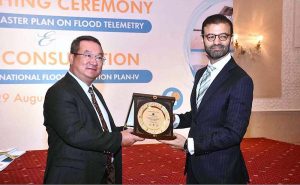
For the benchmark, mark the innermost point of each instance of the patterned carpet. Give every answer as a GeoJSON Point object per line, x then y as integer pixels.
{"type": "Point", "coordinates": [268, 162]}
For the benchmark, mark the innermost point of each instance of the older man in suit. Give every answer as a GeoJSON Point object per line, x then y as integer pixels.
{"type": "Point", "coordinates": [221, 102]}
{"type": "Point", "coordinates": [84, 143]}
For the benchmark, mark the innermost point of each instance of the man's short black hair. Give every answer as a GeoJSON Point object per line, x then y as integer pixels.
{"type": "Point", "coordinates": [76, 42]}
{"type": "Point", "coordinates": [217, 19]}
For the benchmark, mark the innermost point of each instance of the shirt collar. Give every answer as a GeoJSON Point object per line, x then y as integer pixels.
{"type": "Point", "coordinates": [81, 83]}
{"type": "Point", "coordinates": [221, 63]}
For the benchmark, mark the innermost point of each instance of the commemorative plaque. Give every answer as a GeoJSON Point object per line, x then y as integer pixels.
{"type": "Point", "coordinates": [151, 116]}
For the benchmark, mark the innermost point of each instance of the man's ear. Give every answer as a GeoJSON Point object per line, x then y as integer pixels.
{"type": "Point", "coordinates": [232, 39]}
{"type": "Point", "coordinates": [71, 58]}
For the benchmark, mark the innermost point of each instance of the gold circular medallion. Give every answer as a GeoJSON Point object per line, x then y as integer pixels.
{"type": "Point", "coordinates": [153, 118]}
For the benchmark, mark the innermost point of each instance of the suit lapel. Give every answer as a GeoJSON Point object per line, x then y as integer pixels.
{"type": "Point", "coordinates": [218, 81]}
{"type": "Point", "coordinates": [82, 95]}
{"type": "Point", "coordinates": [194, 91]}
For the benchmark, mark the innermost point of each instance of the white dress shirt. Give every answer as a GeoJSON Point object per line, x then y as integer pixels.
{"type": "Point", "coordinates": [85, 88]}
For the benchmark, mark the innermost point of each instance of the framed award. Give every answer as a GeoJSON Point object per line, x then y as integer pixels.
{"type": "Point", "coordinates": [151, 116]}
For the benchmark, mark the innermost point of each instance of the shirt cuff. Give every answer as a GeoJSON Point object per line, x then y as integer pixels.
{"type": "Point", "coordinates": [176, 121]}
{"type": "Point", "coordinates": [191, 147]}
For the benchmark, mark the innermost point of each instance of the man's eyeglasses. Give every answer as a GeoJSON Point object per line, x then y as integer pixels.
{"type": "Point", "coordinates": [222, 36]}
{"type": "Point", "coordinates": [90, 56]}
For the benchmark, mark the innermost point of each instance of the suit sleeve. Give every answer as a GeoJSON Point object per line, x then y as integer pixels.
{"type": "Point", "coordinates": [68, 117]}
{"type": "Point", "coordinates": [235, 120]}
{"type": "Point", "coordinates": [185, 120]}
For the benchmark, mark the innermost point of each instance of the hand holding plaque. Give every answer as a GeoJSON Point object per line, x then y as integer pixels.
{"type": "Point", "coordinates": [151, 116]}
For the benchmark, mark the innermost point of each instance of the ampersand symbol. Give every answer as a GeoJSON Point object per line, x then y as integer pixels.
{"type": "Point", "coordinates": [47, 38]}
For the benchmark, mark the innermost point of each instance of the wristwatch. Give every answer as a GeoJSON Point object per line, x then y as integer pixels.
{"type": "Point", "coordinates": [185, 146]}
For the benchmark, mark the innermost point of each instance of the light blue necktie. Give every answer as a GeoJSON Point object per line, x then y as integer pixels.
{"type": "Point", "coordinates": [204, 84]}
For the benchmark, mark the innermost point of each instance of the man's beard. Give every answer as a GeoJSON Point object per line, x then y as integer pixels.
{"type": "Point", "coordinates": [213, 54]}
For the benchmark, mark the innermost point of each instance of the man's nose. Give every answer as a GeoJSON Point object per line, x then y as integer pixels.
{"type": "Point", "coordinates": [217, 40]}
{"type": "Point", "coordinates": [93, 61]}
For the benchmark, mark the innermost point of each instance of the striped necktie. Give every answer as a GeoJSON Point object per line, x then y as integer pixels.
{"type": "Point", "coordinates": [109, 167]}
{"type": "Point", "coordinates": [103, 122]}
{"type": "Point", "coordinates": [204, 83]}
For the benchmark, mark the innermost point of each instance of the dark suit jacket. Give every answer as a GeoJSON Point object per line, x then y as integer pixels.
{"type": "Point", "coordinates": [218, 126]}
{"type": "Point", "coordinates": [75, 137]}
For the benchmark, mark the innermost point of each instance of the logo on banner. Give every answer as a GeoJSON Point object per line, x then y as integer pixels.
{"type": "Point", "coordinates": [176, 93]}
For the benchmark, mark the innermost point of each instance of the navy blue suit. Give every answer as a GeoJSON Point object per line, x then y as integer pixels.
{"type": "Point", "coordinates": [218, 126]}
{"type": "Point", "coordinates": [75, 137]}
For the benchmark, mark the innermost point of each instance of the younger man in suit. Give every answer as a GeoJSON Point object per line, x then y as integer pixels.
{"type": "Point", "coordinates": [221, 102]}
{"type": "Point", "coordinates": [84, 142]}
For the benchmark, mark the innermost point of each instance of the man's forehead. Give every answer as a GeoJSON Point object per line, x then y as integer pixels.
{"type": "Point", "coordinates": [90, 45]}
{"type": "Point", "coordinates": [220, 26]}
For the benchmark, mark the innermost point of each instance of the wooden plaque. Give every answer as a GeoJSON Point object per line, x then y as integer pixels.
{"type": "Point", "coordinates": [152, 116]}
